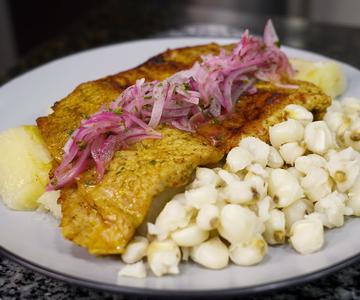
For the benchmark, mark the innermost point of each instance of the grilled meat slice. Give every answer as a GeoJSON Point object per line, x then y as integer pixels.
{"type": "Point", "coordinates": [103, 217]}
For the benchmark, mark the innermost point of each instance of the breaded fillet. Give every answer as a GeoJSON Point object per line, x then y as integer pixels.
{"type": "Point", "coordinates": [103, 217]}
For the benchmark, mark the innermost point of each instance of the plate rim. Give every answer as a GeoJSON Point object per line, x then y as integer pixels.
{"type": "Point", "coordinates": [136, 291]}
{"type": "Point", "coordinates": [139, 291]}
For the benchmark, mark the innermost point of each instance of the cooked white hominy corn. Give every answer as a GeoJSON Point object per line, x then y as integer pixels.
{"type": "Point", "coordinates": [238, 159]}
{"type": "Point", "coordinates": [212, 254]}
{"type": "Point", "coordinates": [259, 186]}
{"type": "Point", "coordinates": [189, 236]}
{"type": "Point", "coordinates": [307, 236]}
{"type": "Point", "coordinates": [304, 163]}
{"type": "Point", "coordinates": [257, 148]}
{"type": "Point", "coordinates": [249, 253]}
{"type": "Point", "coordinates": [163, 257]}
{"type": "Point", "coordinates": [275, 160]}
{"type": "Point", "coordinates": [343, 171]}
{"type": "Point", "coordinates": [238, 223]}
{"type": "Point", "coordinates": [332, 207]}
{"type": "Point", "coordinates": [286, 132]}
{"type": "Point", "coordinates": [353, 201]}
{"type": "Point", "coordinates": [316, 184]}
{"type": "Point", "coordinates": [336, 120]}
{"type": "Point", "coordinates": [136, 270]}
{"type": "Point", "coordinates": [205, 176]}
{"type": "Point", "coordinates": [350, 106]}
{"type": "Point", "coordinates": [296, 212]}
{"type": "Point", "coordinates": [203, 195]}
{"type": "Point", "coordinates": [306, 180]}
{"type": "Point", "coordinates": [256, 169]}
{"type": "Point", "coordinates": [275, 227]}
{"type": "Point", "coordinates": [318, 137]}
{"type": "Point", "coordinates": [135, 250]}
{"type": "Point", "coordinates": [284, 187]}
{"type": "Point", "coordinates": [290, 152]}
{"type": "Point", "coordinates": [264, 207]}
{"type": "Point", "coordinates": [296, 173]}
{"type": "Point", "coordinates": [298, 113]}
{"type": "Point", "coordinates": [237, 192]}
{"type": "Point", "coordinates": [174, 215]}
{"type": "Point", "coordinates": [208, 217]}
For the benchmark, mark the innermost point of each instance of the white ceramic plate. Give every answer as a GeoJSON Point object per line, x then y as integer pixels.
{"type": "Point", "coordinates": [34, 239]}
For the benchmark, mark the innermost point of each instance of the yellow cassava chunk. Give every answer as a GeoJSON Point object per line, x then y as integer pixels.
{"type": "Point", "coordinates": [328, 75]}
{"type": "Point", "coordinates": [24, 167]}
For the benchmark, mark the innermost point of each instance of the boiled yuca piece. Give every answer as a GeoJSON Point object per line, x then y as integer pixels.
{"type": "Point", "coordinates": [24, 167]}
{"type": "Point", "coordinates": [328, 75]}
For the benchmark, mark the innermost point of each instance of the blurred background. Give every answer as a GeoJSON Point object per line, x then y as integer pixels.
{"type": "Point", "coordinates": [34, 32]}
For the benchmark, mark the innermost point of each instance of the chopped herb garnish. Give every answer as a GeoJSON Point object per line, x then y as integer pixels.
{"type": "Point", "coordinates": [277, 44]}
{"type": "Point", "coordinates": [81, 145]}
{"type": "Point", "coordinates": [118, 111]}
{"type": "Point", "coordinates": [215, 121]}
{"type": "Point", "coordinates": [147, 97]}
{"type": "Point", "coordinates": [54, 181]}
{"type": "Point", "coordinates": [71, 132]}
{"type": "Point", "coordinates": [220, 138]}
{"type": "Point", "coordinates": [118, 172]}
{"type": "Point", "coordinates": [186, 86]}
{"type": "Point", "coordinates": [85, 116]}
{"type": "Point", "coordinates": [153, 162]}
{"type": "Point", "coordinates": [201, 105]}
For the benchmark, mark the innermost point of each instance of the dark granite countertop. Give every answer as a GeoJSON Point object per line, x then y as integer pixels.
{"type": "Point", "coordinates": [103, 26]}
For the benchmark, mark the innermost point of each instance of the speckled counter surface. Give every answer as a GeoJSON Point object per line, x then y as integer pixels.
{"type": "Point", "coordinates": [17, 282]}
{"type": "Point", "coordinates": [103, 27]}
